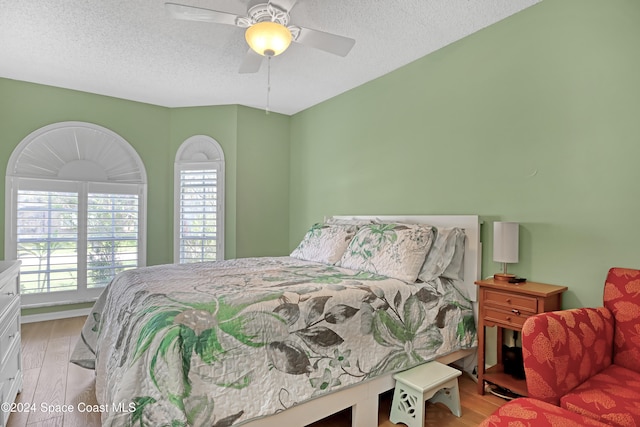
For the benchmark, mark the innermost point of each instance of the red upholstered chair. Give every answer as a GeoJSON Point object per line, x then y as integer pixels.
{"type": "Point", "coordinates": [527, 412]}
{"type": "Point", "coordinates": [587, 360]}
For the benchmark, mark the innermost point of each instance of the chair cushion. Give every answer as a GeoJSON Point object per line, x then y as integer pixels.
{"type": "Point", "coordinates": [622, 298]}
{"type": "Point", "coordinates": [527, 412]}
{"type": "Point", "coordinates": [612, 396]}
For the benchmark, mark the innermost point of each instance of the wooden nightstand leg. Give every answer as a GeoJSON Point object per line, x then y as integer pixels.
{"type": "Point", "coordinates": [480, 368]}
{"type": "Point", "coordinates": [499, 342]}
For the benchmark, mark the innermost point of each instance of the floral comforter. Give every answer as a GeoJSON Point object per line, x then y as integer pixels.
{"type": "Point", "coordinates": [219, 344]}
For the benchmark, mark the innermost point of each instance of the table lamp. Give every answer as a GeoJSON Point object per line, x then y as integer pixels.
{"type": "Point", "coordinates": [505, 247]}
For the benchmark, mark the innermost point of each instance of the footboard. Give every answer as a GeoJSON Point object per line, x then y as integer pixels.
{"type": "Point", "coordinates": [362, 398]}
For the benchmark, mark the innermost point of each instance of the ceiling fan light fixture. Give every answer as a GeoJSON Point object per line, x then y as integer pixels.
{"type": "Point", "coordinates": [268, 38]}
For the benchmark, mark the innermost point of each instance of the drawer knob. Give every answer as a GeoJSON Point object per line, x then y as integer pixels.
{"type": "Point", "coordinates": [516, 312]}
{"type": "Point", "coordinates": [508, 300]}
{"type": "Point", "coordinates": [10, 293]}
{"type": "Point", "coordinates": [508, 318]}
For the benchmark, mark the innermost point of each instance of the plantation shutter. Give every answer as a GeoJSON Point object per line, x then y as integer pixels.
{"type": "Point", "coordinates": [74, 237]}
{"type": "Point", "coordinates": [198, 224]}
{"type": "Point", "coordinates": [47, 240]}
{"type": "Point", "coordinates": [112, 236]}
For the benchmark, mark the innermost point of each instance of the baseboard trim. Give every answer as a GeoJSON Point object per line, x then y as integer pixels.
{"type": "Point", "coordinates": [55, 315]}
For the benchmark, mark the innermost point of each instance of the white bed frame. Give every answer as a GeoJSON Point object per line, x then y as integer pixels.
{"type": "Point", "coordinates": [363, 398]}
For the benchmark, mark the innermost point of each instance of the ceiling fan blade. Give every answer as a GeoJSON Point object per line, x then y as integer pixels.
{"type": "Point", "coordinates": [284, 4]}
{"type": "Point", "coordinates": [251, 62]}
{"type": "Point", "coordinates": [190, 13]}
{"type": "Point", "coordinates": [332, 43]}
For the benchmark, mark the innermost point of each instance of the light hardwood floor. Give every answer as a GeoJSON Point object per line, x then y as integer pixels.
{"type": "Point", "coordinates": [50, 379]}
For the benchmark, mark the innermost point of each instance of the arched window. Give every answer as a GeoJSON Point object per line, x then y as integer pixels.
{"type": "Point", "coordinates": [199, 201]}
{"type": "Point", "coordinates": [75, 211]}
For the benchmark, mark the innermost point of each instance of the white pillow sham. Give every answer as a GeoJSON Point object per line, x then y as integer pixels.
{"type": "Point", "coordinates": [324, 243]}
{"type": "Point", "coordinates": [392, 249]}
{"type": "Point", "coordinates": [348, 221]}
{"type": "Point", "coordinates": [446, 257]}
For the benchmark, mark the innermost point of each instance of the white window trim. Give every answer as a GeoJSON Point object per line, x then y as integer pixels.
{"type": "Point", "coordinates": [195, 153]}
{"type": "Point", "coordinates": [130, 179]}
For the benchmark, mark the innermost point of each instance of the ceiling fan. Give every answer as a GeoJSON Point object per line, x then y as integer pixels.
{"type": "Point", "coordinates": [268, 30]}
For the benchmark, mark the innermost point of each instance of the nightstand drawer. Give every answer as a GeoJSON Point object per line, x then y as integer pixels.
{"type": "Point", "coordinates": [510, 301]}
{"type": "Point", "coordinates": [505, 318]}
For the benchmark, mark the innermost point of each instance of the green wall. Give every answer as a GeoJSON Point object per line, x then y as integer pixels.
{"type": "Point", "coordinates": [220, 123]}
{"type": "Point", "coordinates": [26, 107]}
{"type": "Point", "coordinates": [263, 183]}
{"type": "Point", "coordinates": [256, 148]}
{"type": "Point", "coordinates": [535, 119]}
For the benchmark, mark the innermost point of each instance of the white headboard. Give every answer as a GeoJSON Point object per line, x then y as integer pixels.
{"type": "Point", "coordinates": [473, 246]}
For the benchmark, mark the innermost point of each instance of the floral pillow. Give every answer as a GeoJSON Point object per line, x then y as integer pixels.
{"type": "Point", "coordinates": [393, 250]}
{"type": "Point", "coordinates": [348, 221]}
{"type": "Point", "coordinates": [324, 243]}
{"type": "Point", "coordinates": [446, 257]}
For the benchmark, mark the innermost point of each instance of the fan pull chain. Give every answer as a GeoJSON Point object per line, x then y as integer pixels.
{"type": "Point", "coordinates": [268, 83]}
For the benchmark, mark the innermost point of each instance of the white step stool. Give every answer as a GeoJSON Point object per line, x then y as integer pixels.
{"type": "Point", "coordinates": [431, 381]}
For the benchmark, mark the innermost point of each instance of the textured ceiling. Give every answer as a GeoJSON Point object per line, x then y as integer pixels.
{"type": "Point", "coordinates": [133, 49]}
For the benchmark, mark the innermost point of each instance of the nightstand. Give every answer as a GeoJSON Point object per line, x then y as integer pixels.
{"type": "Point", "coordinates": [507, 306]}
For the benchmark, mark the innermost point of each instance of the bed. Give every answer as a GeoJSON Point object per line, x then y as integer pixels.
{"type": "Point", "coordinates": [285, 340]}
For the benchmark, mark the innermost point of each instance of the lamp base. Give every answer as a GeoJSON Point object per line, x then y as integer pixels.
{"type": "Point", "coordinates": [503, 277]}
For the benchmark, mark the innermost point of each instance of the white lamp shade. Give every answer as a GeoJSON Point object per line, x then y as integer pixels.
{"type": "Point", "coordinates": [505, 242]}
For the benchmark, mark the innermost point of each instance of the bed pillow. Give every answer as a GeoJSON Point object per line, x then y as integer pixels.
{"type": "Point", "coordinates": [348, 221]}
{"type": "Point", "coordinates": [324, 243]}
{"type": "Point", "coordinates": [446, 257]}
{"type": "Point", "coordinates": [455, 269]}
{"type": "Point", "coordinates": [393, 250]}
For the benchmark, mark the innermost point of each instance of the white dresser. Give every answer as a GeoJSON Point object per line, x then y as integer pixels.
{"type": "Point", "coordinates": [10, 357]}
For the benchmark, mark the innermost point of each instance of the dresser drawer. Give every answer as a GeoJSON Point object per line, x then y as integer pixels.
{"type": "Point", "coordinates": [505, 318]}
{"type": "Point", "coordinates": [9, 329]}
{"type": "Point", "coordinates": [8, 292]}
{"type": "Point", "coordinates": [510, 301]}
{"type": "Point", "coordinates": [10, 374]}
{"type": "Point", "coordinates": [4, 415]}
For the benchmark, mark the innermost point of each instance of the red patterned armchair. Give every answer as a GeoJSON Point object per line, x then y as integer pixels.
{"type": "Point", "coordinates": [587, 360]}
{"type": "Point", "coordinates": [527, 412]}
